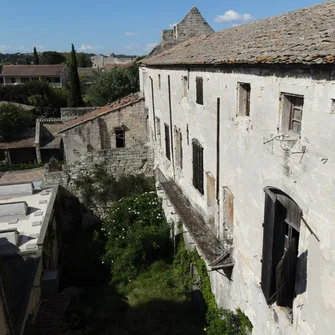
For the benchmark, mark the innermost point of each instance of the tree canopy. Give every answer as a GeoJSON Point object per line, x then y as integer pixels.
{"type": "Point", "coordinates": [113, 84]}
{"type": "Point", "coordinates": [52, 57]}
{"type": "Point", "coordinates": [13, 120]}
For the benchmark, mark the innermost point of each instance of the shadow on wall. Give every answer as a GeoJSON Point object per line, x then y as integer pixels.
{"type": "Point", "coordinates": [104, 135]}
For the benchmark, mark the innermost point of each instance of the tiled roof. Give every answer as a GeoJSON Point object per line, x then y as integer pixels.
{"type": "Point", "coordinates": [132, 98]}
{"type": "Point", "coordinates": [32, 70]}
{"type": "Point", "coordinates": [25, 140]}
{"type": "Point", "coordinates": [304, 36]}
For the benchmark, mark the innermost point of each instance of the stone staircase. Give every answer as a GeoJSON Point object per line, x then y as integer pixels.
{"type": "Point", "coordinates": [50, 316]}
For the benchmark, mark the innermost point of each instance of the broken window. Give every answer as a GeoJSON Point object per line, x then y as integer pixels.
{"type": "Point", "coordinates": [282, 218]}
{"type": "Point", "coordinates": [292, 113]}
{"type": "Point", "coordinates": [199, 91]}
{"type": "Point", "coordinates": [185, 86]}
{"type": "Point", "coordinates": [159, 81]}
{"type": "Point", "coordinates": [167, 141]}
{"type": "Point", "coordinates": [198, 166]}
{"type": "Point", "coordinates": [244, 99]}
{"type": "Point", "coordinates": [120, 138]}
{"type": "Point", "coordinates": [179, 148]}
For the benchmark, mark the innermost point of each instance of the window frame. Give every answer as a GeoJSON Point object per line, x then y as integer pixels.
{"type": "Point", "coordinates": [120, 139]}
{"type": "Point", "coordinates": [289, 105]}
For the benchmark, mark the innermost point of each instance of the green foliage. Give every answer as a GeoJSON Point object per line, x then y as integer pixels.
{"type": "Point", "coordinates": [36, 60]}
{"type": "Point", "coordinates": [75, 98]}
{"type": "Point", "coordinates": [113, 84]}
{"type": "Point", "coordinates": [137, 234]}
{"type": "Point", "coordinates": [52, 57]}
{"type": "Point", "coordinates": [40, 94]}
{"type": "Point", "coordinates": [219, 321]}
{"type": "Point", "coordinates": [17, 167]}
{"type": "Point", "coordinates": [13, 121]}
{"type": "Point", "coordinates": [101, 187]}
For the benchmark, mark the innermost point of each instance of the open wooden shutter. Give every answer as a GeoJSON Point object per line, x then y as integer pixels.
{"type": "Point", "coordinates": [285, 275]}
{"type": "Point", "coordinates": [167, 142]}
{"type": "Point", "coordinates": [268, 275]}
{"type": "Point", "coordinates": [201, 170]}
{"type": "Point", "coordinates": [195, 163]}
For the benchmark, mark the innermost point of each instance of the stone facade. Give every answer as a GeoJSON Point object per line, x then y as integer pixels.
{"type": "Point", "coordinates": [243, 153]}
{"type": "Point", "coordinates": [100, 61]}
{"type": "Point", "coordinates": [193, 24]}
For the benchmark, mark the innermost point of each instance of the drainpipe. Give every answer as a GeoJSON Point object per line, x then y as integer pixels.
{"type": "Point", "coordinates": [218, 160]}
{"type": "Point", "coordinates": [171, 129]}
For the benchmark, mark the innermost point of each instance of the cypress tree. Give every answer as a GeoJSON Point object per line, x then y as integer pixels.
{"type": "Point", "coordinates": [36, 60]}
{"type": "Point", "coordinates": [75, 99]}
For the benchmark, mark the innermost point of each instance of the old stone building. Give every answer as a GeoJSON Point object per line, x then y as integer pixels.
{"type": "Point", "coordinates": [242, 123]}
{"type": "Point", "coordinates": [193, 24]}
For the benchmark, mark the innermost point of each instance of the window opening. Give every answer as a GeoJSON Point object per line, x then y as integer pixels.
{"type": "Point", "coordinates": [282, 218]}
{"type": "Point", "coordinates": [244, 90]}
{"type": "Point", "coordinates": [292, 113]}
{"type": "Point", "coordinates": [185, 86]}
{"type": "Point", "coordinates": [159, 81]}
{"type": "Point", "coordinates": [198, 166]}
{"type": "Point", "coordinates": [120, 138]}
{"type": "Point", "coordinates": [199, 91]}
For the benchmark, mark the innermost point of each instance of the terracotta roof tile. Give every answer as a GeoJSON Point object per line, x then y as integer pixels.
{"type": "Point", "coordinates": [32, 70]}
{"type": "Point", "coordinates": [132, 98]}
{"type": "Point", "coordinates": [304, 36]}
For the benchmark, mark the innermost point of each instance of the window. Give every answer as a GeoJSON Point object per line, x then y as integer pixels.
{"type": "Point", "coordinates": [200, 90]}
{"type": "Point", "coordinates": [198, 166]}
{"type": "Point", "coordinates": [12, 80]}
{"type": "Point", "coordinates": [185, 86]}
{"type": "Point", "coordinates": [282, 218]}
{"type": "Point", "coordinates": [179, 148]}
{"type": "Point", "coordinates": [159, 81]}
{"type": "Point", "coordinates": [292, 113]}
{"type": "Point", "coordinates": [158, 130]}
{"type": "Point", "coordinates": [244, 99]}
{"type": "Point", "coordinates": [120, 139]}
{"type": "Point", "coordinates": [167, 141]}
{"type": "Point", "coordinates": [24, 80]}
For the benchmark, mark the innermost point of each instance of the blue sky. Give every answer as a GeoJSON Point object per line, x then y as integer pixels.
{"type": "Point", "coordinates": [128, 26]}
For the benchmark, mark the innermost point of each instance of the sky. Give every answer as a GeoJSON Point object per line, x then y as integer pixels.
{"type": "Point", "coordinates": [127, 27]}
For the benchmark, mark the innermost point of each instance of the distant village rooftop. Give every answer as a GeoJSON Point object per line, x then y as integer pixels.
{"type": "Point", "coordinates": [304, 36]}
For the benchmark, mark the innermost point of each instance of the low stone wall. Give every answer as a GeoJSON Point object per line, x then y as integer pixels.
{"type": "Point", "coordinates": [121, 161]}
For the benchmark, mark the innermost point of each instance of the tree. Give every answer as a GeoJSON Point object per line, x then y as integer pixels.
{"type": "Point", "coordinates": [52, 57]}
{"type": "Point", "coordinates": [75, 98]}
{"type": "Point", "coordinates": [13, 120]}
{"type": "Point", "coordinates": [114, 84]}
{"type": "Point", "coordinates": [36, 60]}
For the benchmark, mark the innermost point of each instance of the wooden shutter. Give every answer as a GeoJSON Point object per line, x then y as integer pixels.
{"type": "Point", "coordinates": [201, 170]}
{"type": "Point", "coordinates": [199, 89]}
{"type": "Point", "coordinates": [268, 278]}
{"type": "Point", "coordinates": [285, 275]}
{"type": "Point", "coordinates": [195, 163]}
{"type": "Point", "coordinates": [167, 142]}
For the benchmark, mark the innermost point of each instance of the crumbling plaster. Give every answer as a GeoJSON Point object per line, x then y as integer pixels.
{"type": "Point", "coordinates": [247, 165]}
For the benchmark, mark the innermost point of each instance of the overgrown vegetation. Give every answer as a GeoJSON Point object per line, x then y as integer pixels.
{"type": "Point", "coordinates": [112, 85]}
{"type": "Point", "coordinates": [149, 288]}
{"type": "Point", "coordinates": [13, 121]}
{"type": "Point", "coordinates": [22, 166]}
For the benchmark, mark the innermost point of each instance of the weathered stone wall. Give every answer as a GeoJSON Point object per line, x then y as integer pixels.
{"type": "Point", "coordinates": [70, 113]}
{"type": "Point", "coordinates": [99, 134]}
{"type": "Point", "coordinates": [251, 158]}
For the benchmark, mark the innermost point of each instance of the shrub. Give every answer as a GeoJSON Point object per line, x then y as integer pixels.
{"type": "Point", "coordinates": [137, 235]}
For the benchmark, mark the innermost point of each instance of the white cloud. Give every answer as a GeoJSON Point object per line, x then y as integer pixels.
{"type": "Point", "coordinates": [130, 33]}
{"type": "Point", "coordinates": [150, 46]}
{"type": "Point", "coordinates": [3, 48]}
{"type": "Point", "coordinates": [171, 25]}
{"type": "Point", "coordinates": [88, 47]}
{"type": "Point", "coordinates": [39, 47]}
{"type": "Point", "coordinates": [232, 16]}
